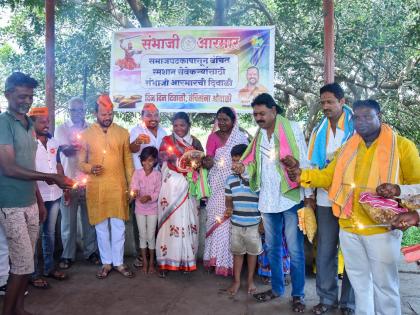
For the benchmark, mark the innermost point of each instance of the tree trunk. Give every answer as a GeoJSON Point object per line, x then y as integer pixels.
{"type": "Point", "coordinates": [140, 12]}
{"type": "Point", "coordinates": [220, 13]}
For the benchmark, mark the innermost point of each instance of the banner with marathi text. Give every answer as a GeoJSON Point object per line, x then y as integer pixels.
{"type": "Point", "coordinates": [192, 69]}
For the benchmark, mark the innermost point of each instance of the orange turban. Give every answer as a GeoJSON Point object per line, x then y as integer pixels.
{"type": "Point", "coordinates": [105, 101]}
{"type": "Point", "coordinates": [150, 107]}
{"type": "Point", "coordinates": [38, 111]}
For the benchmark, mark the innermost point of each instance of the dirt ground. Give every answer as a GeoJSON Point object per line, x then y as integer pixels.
{"type": "Point", "coordinates": [197, 293]}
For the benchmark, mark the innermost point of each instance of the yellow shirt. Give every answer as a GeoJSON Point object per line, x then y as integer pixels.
{"type": "Point", "coordinates": [106, 194]}
{"type": "Point", "coordinates": [409, 174]}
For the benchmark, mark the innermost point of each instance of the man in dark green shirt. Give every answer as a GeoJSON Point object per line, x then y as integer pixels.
{"type": "Point", "coordinates": [19, 196]}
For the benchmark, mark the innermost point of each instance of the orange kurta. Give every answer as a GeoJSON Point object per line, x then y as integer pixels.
{"type": "Point", "coordinates": [106, 194]}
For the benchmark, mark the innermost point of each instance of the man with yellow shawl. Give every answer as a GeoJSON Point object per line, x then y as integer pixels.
{"type": "Point", "coordinates": [105, 156]}
{"type": "Point", "coordinates": [375, 154]}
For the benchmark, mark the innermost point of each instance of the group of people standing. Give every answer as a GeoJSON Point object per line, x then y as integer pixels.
{"type": "Point", "coordinates": [249, 186]}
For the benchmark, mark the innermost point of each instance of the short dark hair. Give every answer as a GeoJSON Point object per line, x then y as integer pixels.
{"type": "Point", "coordinates": [19, 79]}
{"type": "Point", "coordinates": [228, 111]}
{"type": "Point", "coordinates": [367, 103]}
{"type": "Point", "coordinates": [238, 150]}
{"type": "Point", "coordinates": [267, 100]}
{"type": "Point", "coordinates": [147, 152]}
{"type": "Point", "coordinates": [253, 67]}
{"type": "Point", "coordinates": [333, 88]}
{"type": "Point", "coordinates": [182, 115]}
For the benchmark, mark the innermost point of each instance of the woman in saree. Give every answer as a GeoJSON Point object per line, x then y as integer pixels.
{"type": "Point", "coordinates": [217, 253]}
{"type": "Point", "coordinates": [177, 238]}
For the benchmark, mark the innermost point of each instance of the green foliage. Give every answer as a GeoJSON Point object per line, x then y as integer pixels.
{"type": "Point", "coordinates": [375, 42]}
{"type": "Point", "coordinates": [411, 236]}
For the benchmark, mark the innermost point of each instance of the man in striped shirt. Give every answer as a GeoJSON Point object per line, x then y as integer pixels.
{"type": "Point", "coordinates": [242, 208]}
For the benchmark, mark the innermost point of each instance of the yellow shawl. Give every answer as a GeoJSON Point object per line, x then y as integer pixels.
{"type": "Point", "coordinates": [384, 169]}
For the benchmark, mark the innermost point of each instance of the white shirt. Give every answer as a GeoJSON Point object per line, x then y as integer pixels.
{"type": "Point", "coordinates": [46, 162]}
{"type": "Point", "coordinates": [334, 142]}
{"type": "Point", "coordinates": [154, 141]}
{"type": "Point", "coordinates": [66, 134]}
{"type": "Point", "coordinates": [271, 199]}
{"type": "Point", "coordinates": [409, 190]}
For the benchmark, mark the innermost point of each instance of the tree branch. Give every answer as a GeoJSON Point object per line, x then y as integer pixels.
{"type": "Point", "coordinates": [140, 11]}
{"type": "Point", "coordinates": [243, 11]}
{"type": "Point", "coordinates": [109, 8]}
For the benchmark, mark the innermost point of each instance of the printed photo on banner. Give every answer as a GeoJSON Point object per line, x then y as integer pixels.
{"type": "Point", "coordinates": [194, 69]}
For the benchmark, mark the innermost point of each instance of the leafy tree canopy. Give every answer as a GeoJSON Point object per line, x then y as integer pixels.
{"type": "Point", "coordinates": [377, 48]}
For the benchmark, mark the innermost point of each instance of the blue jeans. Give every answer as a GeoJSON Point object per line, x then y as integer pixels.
{"type": "Point", "coordinates": [47, 235]}
{"type": "Point", "coordinates": [69, 226]}
{"type": "Point", "coordinates": [273, 226]}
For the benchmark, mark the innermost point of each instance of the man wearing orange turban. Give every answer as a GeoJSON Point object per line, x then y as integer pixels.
{"type": "Point", "coordinates": [105, 156]}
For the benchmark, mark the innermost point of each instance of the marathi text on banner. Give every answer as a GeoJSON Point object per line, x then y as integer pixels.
{"type": "Point", "coordinates": [191, 69]}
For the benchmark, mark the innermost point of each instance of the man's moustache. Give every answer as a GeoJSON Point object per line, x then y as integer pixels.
{"type": "Point", "coordinates": [260, 121]}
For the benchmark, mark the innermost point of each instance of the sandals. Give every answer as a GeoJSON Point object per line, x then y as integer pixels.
{"type": "Point", "coordinates": [298, 305]}
{"type": "Point", "coordinates": [57, 275]}
{"type": "Point", "coordinates": [39, 283]}
{"type": "Point", "coordinates": [265, 296]}
{"type": "Point", "coordinates": [322, 308]}
{"type": "Point", "coordinates": [103, 272]}
{"type": "Point", "coordinates": [347, 311]}
{"type": "Point", "coordinates": [94, 259]}
{"type": "Point", "coordinates": [123, 269]}
{"type": "Point", "coordinates": [64, 263]}
{"type": "Point", "coordinates": [138, 262]}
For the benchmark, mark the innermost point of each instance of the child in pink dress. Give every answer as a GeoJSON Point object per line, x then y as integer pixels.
{"type": "Point", "coordinates": [145, 187]}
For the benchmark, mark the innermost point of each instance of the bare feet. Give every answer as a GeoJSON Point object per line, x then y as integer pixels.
{"type": "Point", "coordinates": [233, 289]}
{"type": "Point", "coordinates": [152, 269]}
{"type": "Point", "coordinates": [145, 265]}
{"type": "Point", "coordinates": [251, 287]}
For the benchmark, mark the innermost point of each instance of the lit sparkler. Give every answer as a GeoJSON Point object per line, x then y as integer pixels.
{"type": "Point", "coordinates": [221, 162]}
{"type": "Point", "coordinates": [77, 184]}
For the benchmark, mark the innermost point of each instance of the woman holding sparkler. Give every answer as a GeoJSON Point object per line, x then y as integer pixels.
{"type": "Point", "coordinates": [177, 239]}
{"type": "Point", "coordinates": [219, 144]}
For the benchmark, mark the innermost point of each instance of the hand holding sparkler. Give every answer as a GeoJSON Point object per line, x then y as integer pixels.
{"type": "Point", "coordinates": [61, 181]}
{"type": "Point", "coordinates": [292, 168]}
{"type": "Point", "coordinates": [238, 168]}
{"type": "Point", "coordinates": [142, 139]}
{"type": "Point", "coordinates": [228, 213]}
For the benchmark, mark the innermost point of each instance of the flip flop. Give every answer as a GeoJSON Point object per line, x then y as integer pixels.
{"type": "Point", "coordinates": [298, 305]}
{"type": "Point", "coordinates": [103, 272]}
{"type": "Point", "coordinates": [265, 296]}
{"type": "Point", "coordinates": [64, 263]}
{"type": "Point", "coordinates": [39, 283]}
{"type": "Point", "coordinates": [57, 275]}
{"type": "Point", "coordinates": [321, 308]}
{"type": "Point", "coordinates": [123, 269]}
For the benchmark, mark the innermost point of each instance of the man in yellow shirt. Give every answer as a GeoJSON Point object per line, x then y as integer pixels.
{"type": "Point", "coordinates": [372, 156]}
{"type": "Point", "coordinates": [106, 159]}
